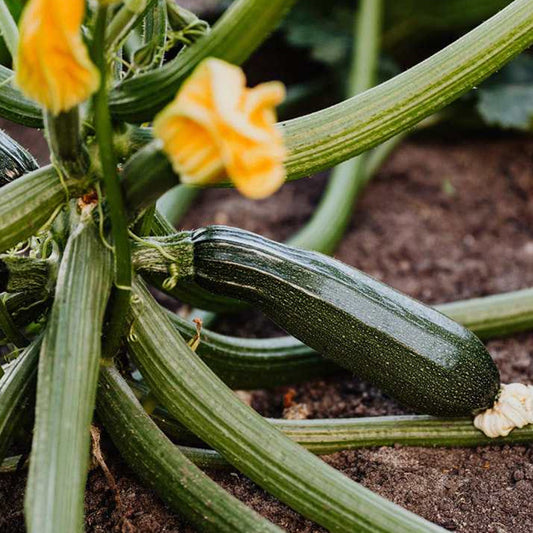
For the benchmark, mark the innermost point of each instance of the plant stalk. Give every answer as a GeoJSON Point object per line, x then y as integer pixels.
{"type": "Point", "coordinates": [66, 146]}
{"type": "Point", "coordinates": [30, 203]}
{"type": "Point", "coordinates": [117, 211]}
{"type": "Point", "coordinates": [335, 134]}
{"type": "Point", "coordinates": [66, 388]}
{"type": "Point", "coordinates": [164, 468]}
{"type": "Point", "coordinates": [196, 397]}
{"type": "Point", "coordinates": [8, 28]}
{"type": "Point", "coordinates": [123, 22]}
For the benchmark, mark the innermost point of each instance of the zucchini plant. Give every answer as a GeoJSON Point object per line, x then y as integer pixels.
{"type": "Point", "coordinates": [81, 240]}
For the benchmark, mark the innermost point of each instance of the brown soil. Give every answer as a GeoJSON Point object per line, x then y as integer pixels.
{"type": "Point", "coordinates": [440, 222]}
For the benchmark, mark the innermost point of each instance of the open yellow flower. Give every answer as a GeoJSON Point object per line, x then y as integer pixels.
{"type": "Point", "coordinates": [216, 126]}
{"type": "Point", "coordinates": [52, 65]}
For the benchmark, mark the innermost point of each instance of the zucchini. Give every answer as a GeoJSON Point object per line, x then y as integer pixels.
{"type": "Point", "coordinates": [414, 353]}
{"type": "Point", "coordinates": [14, 160]}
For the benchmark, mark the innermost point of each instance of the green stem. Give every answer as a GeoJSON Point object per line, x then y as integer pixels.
{"type": "Point", "coordinates": [28, 203]}
{"type": "Point", "coordinates": [332, 215]}
{"type": "Point", "coordinates": [66, 146]}
{"type": "Point", "coordinates": [24, 308]}
{"type": "Point", "coordinates": [121, 24]}
{"type": "Point", "coordinates": [14, 105]}
{"type": "Point", "coordinates": [175, 203]}
{"type": "Point", "coordinates": [164, 468]}
{"type": "Point", "coordinates": [493, 316]}
{"type": "Point", "coordinates": [335, 134]}
{"type": "Point", "coordinates": [66, 388]}
{"type": "Point", "coordinates": [117, 210]}
{"type": "Point", "coordinates": [327, 436]}
{"type": "Point", "coordinates": [196, 397]}
{"type": "Point", "coordinates": [8, 327]}
{"type": "Point", "coordinates": [15, 386]}
{"type": "Point", "coordinates": [242, 28]}
{"type": "Point", "coordinates": [8, 28]}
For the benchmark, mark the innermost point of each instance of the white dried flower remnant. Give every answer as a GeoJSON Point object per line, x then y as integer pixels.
{"type": "Point", "coordinates": [513, 409]}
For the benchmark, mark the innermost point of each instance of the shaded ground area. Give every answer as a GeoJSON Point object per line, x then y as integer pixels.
{"type": "Point", "coordinates": [440, 222]}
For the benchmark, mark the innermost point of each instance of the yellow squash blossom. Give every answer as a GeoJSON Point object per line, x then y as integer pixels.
{"type": "Point", "coordinates": [216, 126]}
{"type": "Point", "coordinates": [52, 65]}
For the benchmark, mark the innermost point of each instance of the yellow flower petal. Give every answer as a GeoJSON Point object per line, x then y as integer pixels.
{"type": "Point", "coordinates": [52, 65]}
{"type": "Point", "coordinates": [216, 125]}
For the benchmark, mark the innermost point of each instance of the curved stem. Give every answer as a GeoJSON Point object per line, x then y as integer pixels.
{"type": "Point", "coordinates": [335, 134]}
{"type": "Point", "coordinates": [163, 467]}
{"type": "Point", "coordinates": [333, 213]}
{"type": "Point", "coordinates": [121, 24]}
{"type": "Point", "coordinates": [195, 396]}
{"type": "Point", "coordinates": [325, 436]}
{"type": "Point", "coordinates": [14, 105]}
{"type": "Point", "coordinates": [8, 28]}
{"type": "Point", "coordinates": [117, 210]}
{"type": "Point", "coordinates": [29, 203]}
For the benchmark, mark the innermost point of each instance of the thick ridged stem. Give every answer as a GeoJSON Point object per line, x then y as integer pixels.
{"type": "Point", "coordinates": [195, 396]}
{"type": "Point", "coordinates": [15, 106]}
{"type": "Point", "coordinates": [65, 142]}
{"type": "Point", "coordinates": [67, 380]}
{"type": "Point", "coordinates": [335, 134]}
{"type": "Point", "coordinates": [28, 203]}
{"type": "Point", "coordinates": [16, 385]}
{"type": "Point", "coordinates": [327, 137]}
{"type": "Point", "coordinates": [164, 468]}
{"type": "Point", "coordinates": [324, 436]}
{"type": "Point", "coordinates": [113, 192]}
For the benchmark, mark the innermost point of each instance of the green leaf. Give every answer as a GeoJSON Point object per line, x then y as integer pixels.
{"type": "Point", "coordinates": [507, 99]}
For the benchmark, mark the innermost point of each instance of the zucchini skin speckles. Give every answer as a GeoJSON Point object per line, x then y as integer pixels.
{"type": "Point", "coordinates": [417, 355]}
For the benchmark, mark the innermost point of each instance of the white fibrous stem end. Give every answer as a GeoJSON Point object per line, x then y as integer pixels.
{"type": "Point", "coordinates": [513, 409]}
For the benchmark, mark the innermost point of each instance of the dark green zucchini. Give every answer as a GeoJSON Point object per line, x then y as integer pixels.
{"type": "Point", "coordinates": [417, 355]}
{"type": "Point", "coordinates": [14, 160]}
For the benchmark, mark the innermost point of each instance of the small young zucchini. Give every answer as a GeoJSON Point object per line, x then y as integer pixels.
{"type": "Point", "coordinates": [14, 160]}
{"type": "Point", "coordinates": [417, 355]}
